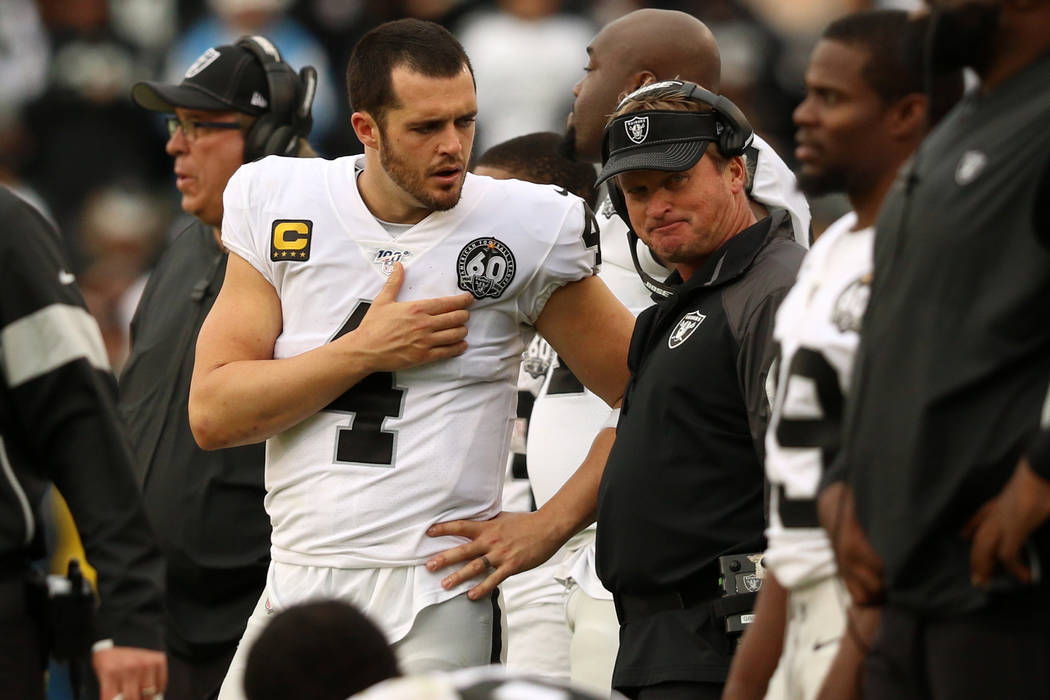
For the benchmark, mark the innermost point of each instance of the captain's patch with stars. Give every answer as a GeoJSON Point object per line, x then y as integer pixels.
{"type": "Point", "coordinates": [290, 240]}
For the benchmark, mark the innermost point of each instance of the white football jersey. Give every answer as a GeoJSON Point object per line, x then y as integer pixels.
{"type": "Point", "coordinates": [817, 327]}
{"type": "Point", "coordinates": [357, 484]}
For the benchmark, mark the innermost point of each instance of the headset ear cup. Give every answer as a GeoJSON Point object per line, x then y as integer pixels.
{"type": "Point", "coordinates": [281, 141]}
{"type": "Point", "coordinates": [291, 96]}
{"type": "Point", "coordinates": [256, 138]}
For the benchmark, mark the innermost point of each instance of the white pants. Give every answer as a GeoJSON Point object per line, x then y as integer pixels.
{"type": "Point", "coordinates": [816, 621]}
{"type": "Point", "coordinates": [595, 640]}
{"type": "Point", "coordinates": [557, 633]}
{"type": "Point", "coordinates": [456, 633]}
{"type": "Point", "coordinates": [537, 636]}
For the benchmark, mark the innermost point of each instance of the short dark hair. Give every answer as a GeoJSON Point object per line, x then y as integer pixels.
{"type": "Point", "coordinates": [536, 158]}
{"type": "Point", "coordinates": [322, 650]}
{"type": "Point", "coordinates": [422, 46]}
{"type": "Point", "coordinates": [895, 67]}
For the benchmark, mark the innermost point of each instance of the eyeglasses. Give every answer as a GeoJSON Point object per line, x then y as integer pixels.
{"type": "Point", "coordinates": [190, 127]}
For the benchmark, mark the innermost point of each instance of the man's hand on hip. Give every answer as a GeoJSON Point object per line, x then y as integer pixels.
{"type": "Point", "coordinates": [505, 545]}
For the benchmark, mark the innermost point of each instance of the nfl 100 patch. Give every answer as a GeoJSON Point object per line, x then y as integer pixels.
{"type": "Point", "coordinates": [485, 267]}
{"type": "Point", "coordinates": [385, 258]}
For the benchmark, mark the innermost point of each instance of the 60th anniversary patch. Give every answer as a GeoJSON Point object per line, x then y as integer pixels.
{"type": "Point", "coordinates": [485, 267]}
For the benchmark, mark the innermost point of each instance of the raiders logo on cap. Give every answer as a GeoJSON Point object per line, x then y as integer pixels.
{"type": "Point", "coordinates": [485, 267]}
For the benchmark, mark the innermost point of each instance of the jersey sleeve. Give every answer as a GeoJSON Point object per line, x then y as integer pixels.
{"type": "Point", "coordinates": [60, 407]}
{"type": "Point", "coordinates": [574, 254]}
{"type": "Point", "coordinates": [240, 232]}
{"type": "Point", "coordinates": [774, 185]}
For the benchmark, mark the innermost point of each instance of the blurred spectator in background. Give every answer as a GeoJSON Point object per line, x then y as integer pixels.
{"type": "Point", "coordinates": [24, 54]}
{"type": "Point", "coordinates": [121, 231]}
{"type": "Point", "coordinates": [523, 53]}
{"type": "Point", "coordinates": [83, 132]}
{"type": "Point", "coordinates": [231, 19]}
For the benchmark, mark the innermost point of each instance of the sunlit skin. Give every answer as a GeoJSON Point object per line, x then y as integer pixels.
{"type": "Point", "coordinates": [203, 166]}
{"type": "Point", "coordinates": [845, 130]}
{"type": "Point", "coordinates": [422, 145]}
{"type": "Point", "coordinates": [685, 216]}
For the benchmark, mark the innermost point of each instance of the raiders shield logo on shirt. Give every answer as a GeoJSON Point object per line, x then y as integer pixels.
{"type": "Point", "coordinates": [685, 328]}
{"type": "Point", "coordinates": [850, 306]}
{"type": "Point", "coordinates": [485, 267]}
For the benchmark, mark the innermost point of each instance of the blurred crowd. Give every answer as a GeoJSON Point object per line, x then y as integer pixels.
{"type": "Point", "coordinates": [72, 141]}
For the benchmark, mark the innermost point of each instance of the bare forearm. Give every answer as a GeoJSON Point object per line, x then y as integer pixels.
{"type": "Point", "coordinates": [843, 679]}
{"type": "Point", "coordinates": [247, 401]}
{"type": "Point", "coordinates": [575, 505]}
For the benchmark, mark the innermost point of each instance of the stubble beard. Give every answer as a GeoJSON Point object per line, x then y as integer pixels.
{"type": "Point", "coordinates": [414, 183]}
{"type": "Point", "coordinates": [821, 182]}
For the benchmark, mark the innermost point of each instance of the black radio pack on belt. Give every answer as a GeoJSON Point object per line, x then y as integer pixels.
{"type": "Point", "coordinates": [741, 577]}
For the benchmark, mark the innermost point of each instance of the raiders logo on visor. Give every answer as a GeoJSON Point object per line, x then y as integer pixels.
{"type": "Point", "coordinates": [656, 140]}
{"type": "Point", "coordinates": [637, 128]}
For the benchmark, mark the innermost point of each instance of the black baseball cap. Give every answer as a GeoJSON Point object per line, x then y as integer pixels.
{"type": "Point", "coordinates": [656, 140]}
{"type": "Point", "coordinates": [223, 78]}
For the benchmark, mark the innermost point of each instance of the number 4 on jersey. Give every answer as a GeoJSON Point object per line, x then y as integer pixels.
{"type": "Point", "coordinates": [371, 400]}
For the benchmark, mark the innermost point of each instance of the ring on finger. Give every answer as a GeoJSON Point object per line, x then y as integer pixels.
{"type": "Point", "coordinates": [486, 562]}
{"type": "Point", "coordinates": [148, 692]}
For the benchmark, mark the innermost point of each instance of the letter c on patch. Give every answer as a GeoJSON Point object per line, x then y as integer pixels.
{"type": "Point", "coordinates": [292, 235]}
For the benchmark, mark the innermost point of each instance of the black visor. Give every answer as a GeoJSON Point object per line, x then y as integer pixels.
{"type": "Point", "coordinates": [663, 140]}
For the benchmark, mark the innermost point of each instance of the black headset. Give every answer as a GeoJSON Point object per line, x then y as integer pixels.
{"type": "Point", "coordinates": [277, 131]}
{"type": "Point", "coordinates": [734, 136]}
